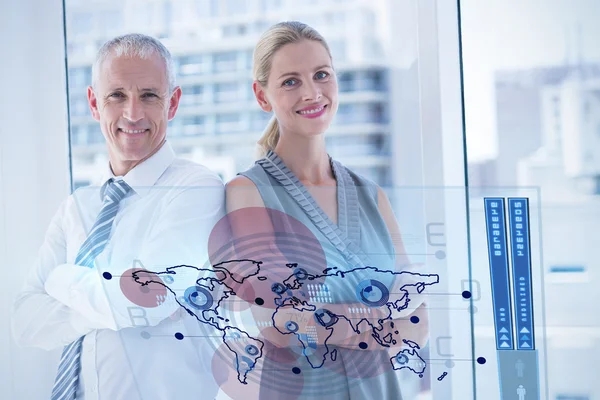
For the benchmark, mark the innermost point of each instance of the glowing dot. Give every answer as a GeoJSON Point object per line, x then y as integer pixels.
{"type": "Point", "coordinates": [481, 360]}
{"type": "Point", "coordinates": [414, 319]}
{"type": "Point", "coordinates": [179, 336]}
{"type": "Point", "coordinates": [363, 345]}
{"type": "Point", "coordinates": [466, 294]}
{"type": "Point", "coordinates": [107, 276]}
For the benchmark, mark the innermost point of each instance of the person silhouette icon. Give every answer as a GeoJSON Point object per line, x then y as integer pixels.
{"type": "Point", "coordinates": [521, 392]}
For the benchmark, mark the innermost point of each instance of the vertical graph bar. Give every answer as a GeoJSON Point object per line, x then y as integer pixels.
{"type": "Point", "coordinates": [499, 271]}
{"type": "Point", "coordinates": [518, 217]}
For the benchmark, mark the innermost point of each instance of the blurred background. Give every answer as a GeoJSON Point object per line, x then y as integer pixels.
{"type": "Point", "coordinates": [529, 84]}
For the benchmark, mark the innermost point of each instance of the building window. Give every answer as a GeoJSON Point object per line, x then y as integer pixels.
{"type": "Point", "coordinates": [80, 78]}
{"type": "Point", "coordinates": [228, 92]}
{"type": "Point", "coordinates": [79, 106]}
{"type": "Point", "coordinates": [193, 65]}
{"type": "Point", "coordinates": [225, 62]}
{"type": "Point", "coordinates": [259, 120]}
{"type": "Point", "coordinates": [346, 82]}
{"type": "Point", "coordinates": [79, 135]}
{"type": "Point", "coordinates": [192, 95]}
{"type": "Point", "coordinates": [236, 7]}
{"type": "Point", "coordinates": [193, 125]}
{"type": "Point", "coordinates": [228, 123]}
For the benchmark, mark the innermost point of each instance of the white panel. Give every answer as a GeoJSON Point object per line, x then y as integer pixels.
{"type": "Point", "coordinates": [34, 169]}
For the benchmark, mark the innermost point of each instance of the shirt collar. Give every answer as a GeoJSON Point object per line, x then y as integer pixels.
{"type": "Point", "coordinates": [145, 174]}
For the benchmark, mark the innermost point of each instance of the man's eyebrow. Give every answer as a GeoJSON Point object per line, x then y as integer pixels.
{"type": "Point", "coordinates": [296, 73]}
{"type": "Point", "coordinates": [141, 90]}
{"type": "Point", "coordinates": [150, 90]}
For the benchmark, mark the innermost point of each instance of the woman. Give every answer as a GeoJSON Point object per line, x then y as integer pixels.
{"type": "Point", "coordinates": [303, 193]}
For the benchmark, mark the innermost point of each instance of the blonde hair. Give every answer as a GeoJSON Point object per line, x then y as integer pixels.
{"type": "Point", "coordinates": [269, 43]}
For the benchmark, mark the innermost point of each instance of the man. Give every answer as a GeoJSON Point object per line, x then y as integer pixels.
{"type": "Point", "coordinates": [124, 338]}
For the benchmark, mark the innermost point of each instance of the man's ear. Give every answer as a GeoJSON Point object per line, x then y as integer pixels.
{"type": "Point", "coordinates": [261, 97]}
{"type": "Point", "coordinates": [174, 102]}
{"type": "Point", "coordinates": [93, 103]}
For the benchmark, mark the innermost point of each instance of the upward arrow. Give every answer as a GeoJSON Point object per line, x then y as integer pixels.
{"type": "Point", "coordinates": [503, 330]}
{"type": "Point", "coordinates": [524, 330]}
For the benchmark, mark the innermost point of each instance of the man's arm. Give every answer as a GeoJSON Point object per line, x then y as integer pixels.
{"type": "Point", "coordinates": [37, 318]}
{"type": "Point", "coordinates": [178, 236]}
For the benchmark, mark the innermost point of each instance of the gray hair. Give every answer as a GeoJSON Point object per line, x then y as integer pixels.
{"type": "Point", "coordinates": [134, 45]}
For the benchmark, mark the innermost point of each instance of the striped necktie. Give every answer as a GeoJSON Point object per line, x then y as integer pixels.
{"type": "Point", "coordinates": [65, 385]}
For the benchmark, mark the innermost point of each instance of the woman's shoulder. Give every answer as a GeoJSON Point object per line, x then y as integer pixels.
{"type": "Point", "coordinates": [255, 174]}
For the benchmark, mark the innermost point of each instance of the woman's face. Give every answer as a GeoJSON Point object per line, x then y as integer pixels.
{"type": "Point", "coordinates": [301, 89]}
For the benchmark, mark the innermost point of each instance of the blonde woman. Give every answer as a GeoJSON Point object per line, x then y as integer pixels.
{"type": "Point", "coordinates": [349, 216]}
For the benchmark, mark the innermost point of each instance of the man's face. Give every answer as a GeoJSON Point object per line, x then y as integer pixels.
{"type": "Point", "coordinates": [132, 102]}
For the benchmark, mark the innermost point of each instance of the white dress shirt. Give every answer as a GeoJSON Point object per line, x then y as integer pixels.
{"type": "Point", "coordinates": [129, 352]}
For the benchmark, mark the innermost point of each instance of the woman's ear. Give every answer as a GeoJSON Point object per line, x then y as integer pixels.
{"type": "Point", "coordinates": [261, 97]}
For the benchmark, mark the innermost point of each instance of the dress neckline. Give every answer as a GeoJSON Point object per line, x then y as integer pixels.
{"type": "Point", "coordinates": [345, 235]}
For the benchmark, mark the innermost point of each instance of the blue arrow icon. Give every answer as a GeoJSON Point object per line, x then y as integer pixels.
{"type": "Point", "coordinates": [504, 337]}
{"type": "Point", "coordinates": [524, 337]}
{"type": "Point", "coordinates": [525, 344]}
{"type": "Point", "coordinates": [504, 344]}
{"type": "Point", "coordinates": [524, 330]}
{"type": "Point", "coordinates": [503, 330]}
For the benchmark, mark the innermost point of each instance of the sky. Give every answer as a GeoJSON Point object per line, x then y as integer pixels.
{"type": "Point", "coordinates": [516, 34]}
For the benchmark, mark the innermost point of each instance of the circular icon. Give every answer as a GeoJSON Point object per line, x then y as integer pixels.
{"type": "Point", "coordinates": [278, 288]}
{"type": "Point", "coordinates": [372, 293]}
{"type": "Point", "coordinates": [252, 350]}
{"type": "Point", "coordinates": [291, 326]}
{"type": "Point", "coordinates": [167, 279]}
{"type": "Point", "coordinates": [300, 273]}
{"type": "Point", "coordinates": [402, 359]}
{"type": "Point", "coordinates": [198, 297]}
{"type": "Point", "coordinates": [325, 317]}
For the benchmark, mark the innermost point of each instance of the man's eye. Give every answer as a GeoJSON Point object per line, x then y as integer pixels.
{"type": "Point", "coordinates": [321, 75]}
{"type": "Point", "coordinates": [148, 95]}
{"type": "Point", "coordinates": [116, 95]}
{"type": "Point", "coordinates": [290, 82]}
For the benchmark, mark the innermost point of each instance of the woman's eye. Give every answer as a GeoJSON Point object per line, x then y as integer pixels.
{"type": "Point", "coordinates": [290, 82]}
{"type": "Point", "coordinates": [321, 75]}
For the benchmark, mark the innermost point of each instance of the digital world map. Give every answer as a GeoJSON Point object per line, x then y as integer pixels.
{"type": "Point", "coordinates": [297, 297]}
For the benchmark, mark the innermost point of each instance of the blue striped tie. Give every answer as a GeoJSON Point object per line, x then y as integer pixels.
{"type": "Point", "coordinates": [65, 385]}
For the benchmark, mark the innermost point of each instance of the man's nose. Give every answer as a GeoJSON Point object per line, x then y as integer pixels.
{"type": "Point", "coordinates": [133, 110]}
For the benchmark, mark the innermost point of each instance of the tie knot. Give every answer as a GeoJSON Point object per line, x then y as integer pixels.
{"type": "Point", "coordinates": [116, 190]}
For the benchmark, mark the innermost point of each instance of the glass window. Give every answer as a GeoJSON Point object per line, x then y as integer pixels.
{"type": "Point", "coordinates": [80, 78]}
{"type": "Point", "coordinates": [346, 81]}
{"type": "Point", "coordinates": [228, 92]}
{"type": "Point", "coordinates": [193, 64]}
{"type": "Point", "coordinates": [259, 120]}
{"type": "Point", "coordinates": [192, 95]}
{"type": "Point", "coordinates": [225, 62]}
{"type": "Point", "coordinates": [193, 125]}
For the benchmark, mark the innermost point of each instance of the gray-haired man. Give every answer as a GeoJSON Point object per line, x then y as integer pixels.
{"type": "Point", "coordinates": [123, 340]}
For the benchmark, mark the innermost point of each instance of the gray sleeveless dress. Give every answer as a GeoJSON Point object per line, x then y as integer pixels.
{"type": "Point", "coordinates": [359, 239]}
